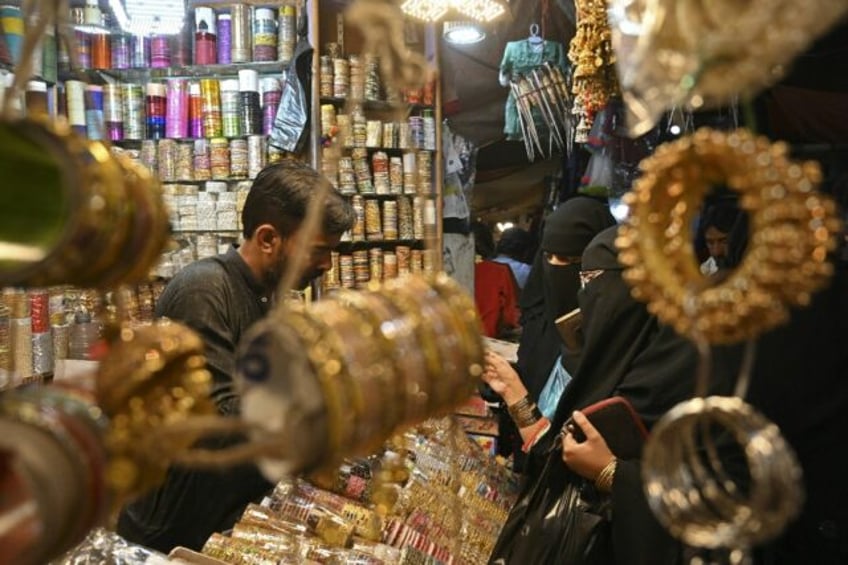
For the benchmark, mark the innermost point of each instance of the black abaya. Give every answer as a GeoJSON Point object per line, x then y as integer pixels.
{"type": "Point", "coordinates": [628, 353]}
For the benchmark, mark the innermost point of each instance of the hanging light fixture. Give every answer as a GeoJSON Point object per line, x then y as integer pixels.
{"type": "Point", "coordinates": [434, 10]}
{"type": "Point", "coordinates": [463, 33]}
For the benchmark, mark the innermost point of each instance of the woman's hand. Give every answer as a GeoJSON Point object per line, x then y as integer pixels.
{"type": "Point", "coordinates": [499, 374]}
{"type": "Point", "coordinates": [587, 459]}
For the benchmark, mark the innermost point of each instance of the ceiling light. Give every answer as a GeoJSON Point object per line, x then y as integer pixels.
{"type": "Point", "coordinates": [463, 33]}
{"type": "Point", "coordinates": [434, 10]}
{"type": "Point", "coordinates": [144, 17]}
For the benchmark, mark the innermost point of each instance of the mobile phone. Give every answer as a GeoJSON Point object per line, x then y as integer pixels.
{"type": "Point", "coordinates": [568, 326]}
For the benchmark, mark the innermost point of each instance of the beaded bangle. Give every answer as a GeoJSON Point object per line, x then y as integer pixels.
{"type": "Point", "coordinates": [793, 229]}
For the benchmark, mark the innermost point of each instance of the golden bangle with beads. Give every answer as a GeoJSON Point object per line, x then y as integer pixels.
{"type": "Point", "coordinates": [793, 229]}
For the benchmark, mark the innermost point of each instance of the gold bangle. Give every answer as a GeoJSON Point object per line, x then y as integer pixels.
{"type": "Point", "coordinates": [793, 229]}
{"type": "Point", "coordinates": [524, 413]}
{"type": "Point", "coordinates": [604, 480]}
{"type": "Point", "coordinates": [527, 419]}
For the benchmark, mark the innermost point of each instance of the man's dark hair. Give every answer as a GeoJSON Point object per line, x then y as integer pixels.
{"type": "Point", "coordinates": [484, 241]}
{"type": "Point", "coordinates": [280, 196]}
{"type": "Point", "coordinates": [720, 216]}
{"type": "Point", "coordinates": [514, 243]}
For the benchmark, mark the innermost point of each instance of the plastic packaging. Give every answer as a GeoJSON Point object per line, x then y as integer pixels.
{"type": "Point", "coordinates": [102, 546]}
{"type": "Point", "coordinates": [292, 122]}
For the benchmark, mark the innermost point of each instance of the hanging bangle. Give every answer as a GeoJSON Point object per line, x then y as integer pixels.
{"type": "Point", "coordinates": [604, 480]}
{"type": "Point", "coordinates": [793, 230]}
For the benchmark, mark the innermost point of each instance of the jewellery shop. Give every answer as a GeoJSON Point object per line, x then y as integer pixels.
{"type": "Point", "coordinates": [430, 282]}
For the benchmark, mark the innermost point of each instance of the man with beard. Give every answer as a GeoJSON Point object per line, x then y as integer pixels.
{"type": "Point", "coordinates": [220, 298]}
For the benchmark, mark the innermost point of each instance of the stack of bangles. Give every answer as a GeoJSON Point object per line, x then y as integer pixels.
{"type": "Point", "coordinates": [366, 364]}
{"type": "Point", "coordinates": [524, 413]}
{"type": "Point", "coordinates": [529, 418]}
{"type": "Point", "coordinates": [603, 482]}
{"type": "Point", "coordinates": [96, 220]}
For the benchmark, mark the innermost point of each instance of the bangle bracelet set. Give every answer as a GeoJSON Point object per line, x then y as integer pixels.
{"type": "Point", "coordinates": [97, 220]}
{"type": "Point", "coordinates": [793, 231]}
{"type": "Point", "coordinates": [381, 359]}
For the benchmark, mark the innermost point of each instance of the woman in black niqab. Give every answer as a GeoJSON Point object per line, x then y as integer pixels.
{"type": "Point", "coordinates": [550, 292]}
{"type": "Point", "coordinates": [626, 352]}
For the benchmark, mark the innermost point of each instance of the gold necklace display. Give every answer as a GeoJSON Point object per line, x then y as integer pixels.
{"type": "Point", "coordinates": [793, 229]}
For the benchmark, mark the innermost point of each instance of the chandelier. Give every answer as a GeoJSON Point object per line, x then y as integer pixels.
{"type": "Point", "coordinates": [434, 10]}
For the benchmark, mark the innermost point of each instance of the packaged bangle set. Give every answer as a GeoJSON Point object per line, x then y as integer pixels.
{"type": "Point", "coordinates": [433, 497]}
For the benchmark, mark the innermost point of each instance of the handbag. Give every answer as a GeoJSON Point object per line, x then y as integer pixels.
{"type": "Point", "coordinates": [562, 518]}
{"type": "Point", "coordinates": [559, 519]}
{"type": "Point", "coordinates": [619, 424]}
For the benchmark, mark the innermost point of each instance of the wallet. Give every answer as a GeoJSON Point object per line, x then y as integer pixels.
{"type": "Point", "coordinates": [619, 424]}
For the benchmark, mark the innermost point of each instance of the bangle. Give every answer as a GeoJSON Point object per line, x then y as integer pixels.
{"type": "Point", "coordinates": [603, 482]}
{"type": "Point", "coordinates": [541, 427]}
{"type": "Point", "coordinates": [524, 413]}
{"type": "Point", "coordinates": [793, 230]}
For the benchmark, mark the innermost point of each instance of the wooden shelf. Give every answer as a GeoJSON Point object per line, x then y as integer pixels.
{"type": "Point", "coordinates": [375, 105]}
{"type": "Point", "coordinates": [188, 71]}
{"type": "Point", "coordinates": [393, 150]}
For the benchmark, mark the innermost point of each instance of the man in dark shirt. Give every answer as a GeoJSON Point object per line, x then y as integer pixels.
{"type": "Point", "coordinates": [220, 298]}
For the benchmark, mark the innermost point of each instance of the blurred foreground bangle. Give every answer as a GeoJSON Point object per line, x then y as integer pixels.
{"type": "Point", "coordinates": [793, 230]}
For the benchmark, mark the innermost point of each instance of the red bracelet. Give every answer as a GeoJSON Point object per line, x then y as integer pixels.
{"type": "Point", "coordinates": [538, 430]}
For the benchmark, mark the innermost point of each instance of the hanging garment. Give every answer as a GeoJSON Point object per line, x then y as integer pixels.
{"type": "Point", "coordinates": [521, 57]}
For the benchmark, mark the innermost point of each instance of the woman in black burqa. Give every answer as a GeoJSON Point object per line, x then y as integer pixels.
{"type": "Point", "coordinates": [550, 292]}
{"type": "Point", "coordinates": [626, 352]}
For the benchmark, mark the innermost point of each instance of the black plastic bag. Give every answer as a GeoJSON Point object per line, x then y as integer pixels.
{"type": "Point", "coordinates": [291, 125]}
{"type": "Point", "coordinates": [561, 519]}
